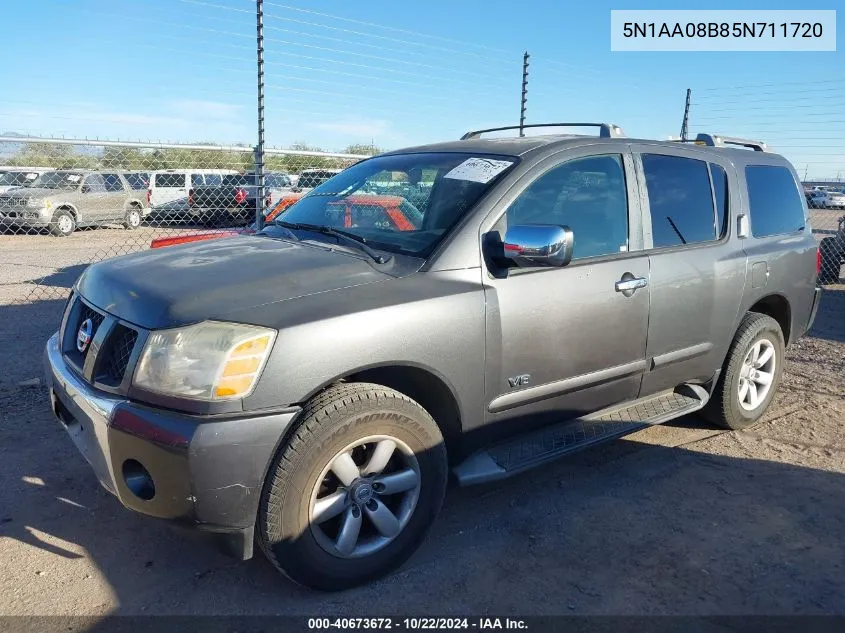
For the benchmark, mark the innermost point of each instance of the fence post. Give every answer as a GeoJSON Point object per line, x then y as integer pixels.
{"type": "Point", "coordinates": [259, 148]}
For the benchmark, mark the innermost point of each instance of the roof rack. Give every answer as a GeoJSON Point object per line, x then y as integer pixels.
{"type": "Point", "coordinates": [606, 130]}
{"type": "Point", "coordinates": [717, 140]}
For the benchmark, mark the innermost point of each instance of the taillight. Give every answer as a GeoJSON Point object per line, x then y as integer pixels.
{"type": "Point", "coordinates": [240, 196]}
{"type": "Point", "coordinates": [190, 197]}
{"type": "Point", "coordinates": [268, 200]}
{"type": "Point", "coordinates": [818, 261]}
{"type": "Point", "coordinates": [149, 195]}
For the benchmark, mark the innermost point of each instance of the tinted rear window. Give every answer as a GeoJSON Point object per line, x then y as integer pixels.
{"type": "Point", "coordinates": [775, 203]}
{"type": "Point", "coordinates": [170, 180]}
{"type": "Point", "coordinates": [680, 200]}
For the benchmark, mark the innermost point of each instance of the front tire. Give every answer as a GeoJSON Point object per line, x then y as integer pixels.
{"type": "Point", "coordinates": [353, 492]}
{"type": "Point", "coordinates": [63, 223]}
{"type": "Point", "coordinates": [751, 374]}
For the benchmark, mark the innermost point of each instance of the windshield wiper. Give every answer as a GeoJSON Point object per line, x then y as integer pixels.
{"type": "Point", "coordinates": [357, 240]}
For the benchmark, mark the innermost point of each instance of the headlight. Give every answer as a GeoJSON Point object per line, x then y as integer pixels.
{"type": "Point", "coordinates": [34, 203]}
{"type": "Point", "coordinates": [207, 361]}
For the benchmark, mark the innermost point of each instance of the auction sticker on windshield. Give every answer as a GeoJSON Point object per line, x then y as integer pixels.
{"type": "Point", "coordinates": [481, 170]}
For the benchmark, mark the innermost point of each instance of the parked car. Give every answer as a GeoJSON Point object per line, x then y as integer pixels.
{"type": "Point", "coordinates": [168, 190]}
{"type": "Point", "coordinates": [234, 198]}
{"type": "Point", "coordinates": [826, 199]}
{"type": "Point", "coordinates": [310, 178]}
{"type": "Point", "coordinates": [311, 386]}
{"type": "Point", "coordinates": [389, 212]}
{"type": "Point", "coordinates": [12, 178]}
{"type": "Point", "coordinates": [832, 255]}
{"type": "Point", "coordinates": [66, 199]}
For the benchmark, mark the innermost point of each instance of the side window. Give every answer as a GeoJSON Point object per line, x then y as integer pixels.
{"type": "Point", "coordinates": [112, 182]}
{"type": "Point", "coordinates": [171, 181]}
{"type": "Point", "coordinates": [720, 191]}
{"type": "Point", "coordinates": [774, 202]}
{"type": "Point", "coordinates": [680, 200]}
{"type": "Point", "coordinates": [137, 181]}
{"type": "Point", "coordinates": [95, 183]}
{"type": "Point", "coordinates": [586, 194]}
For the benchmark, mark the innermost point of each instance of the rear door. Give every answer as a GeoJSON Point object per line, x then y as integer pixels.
{"type": "Point", "coordinates": [697, 263]}
{"type": "Point", "coordinates": [564, 341]}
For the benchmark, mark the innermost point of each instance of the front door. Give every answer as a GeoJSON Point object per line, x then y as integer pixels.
{"type": "Point", "coordinates": [93, 207]}
{"type": "Point", "coordinates": [562, 342]}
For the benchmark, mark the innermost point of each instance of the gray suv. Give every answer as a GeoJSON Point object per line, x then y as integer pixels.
{"type": "Point", "coordinates": [66, 199]}
{"type": "Point", "coordinates": [312, 386]}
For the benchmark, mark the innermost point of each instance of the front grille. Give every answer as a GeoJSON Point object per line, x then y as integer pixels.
{"type": "Point", "coordinates": [115, 351]}
{"type": "Point", "coordinates": [12, 202]}
{"type": "Point", "coordinates": [115, 357]}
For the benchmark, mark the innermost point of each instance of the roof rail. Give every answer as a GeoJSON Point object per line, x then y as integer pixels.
{"type": "Point", "coordinates": [717, 140]}
{"type": "Point", "coordinates": [606, 130]}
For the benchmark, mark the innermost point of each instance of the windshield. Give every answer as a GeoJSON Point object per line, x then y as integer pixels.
{"type": "Point", "coordinates": [404, 202]}
{"type": "Point", "coordinates": [17, 178]}
{"type": "Point", "coordinates": [57, 180]}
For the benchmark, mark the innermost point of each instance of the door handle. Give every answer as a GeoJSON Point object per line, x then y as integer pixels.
{"type": "Point", "coordinates": [629, 285]}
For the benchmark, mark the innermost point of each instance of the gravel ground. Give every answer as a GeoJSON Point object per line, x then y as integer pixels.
{"type": "Point", "coordinates": [678, 519]}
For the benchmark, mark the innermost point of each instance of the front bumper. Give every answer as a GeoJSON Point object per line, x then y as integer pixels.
{"type": "Point", "coordinates": [25, 216]}
{"type": "Point", "coordinates": [204, 472]}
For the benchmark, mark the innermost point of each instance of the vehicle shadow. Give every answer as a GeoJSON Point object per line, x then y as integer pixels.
{"type": "Point", "coordinates": [27, 326]}
{"type": "Point", "coordinates": [629, 527]}
{"type": "Point", "coordinates": [831, 315]}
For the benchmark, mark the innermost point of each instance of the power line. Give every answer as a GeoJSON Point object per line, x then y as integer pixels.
{"type": "Point", "coordinates": [780, 83]}
{"type": "Point", "coordinates": [324, 26]}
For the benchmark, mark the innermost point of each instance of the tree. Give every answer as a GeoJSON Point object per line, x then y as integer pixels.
{"type": "Point", "coordinates": [359, 148]}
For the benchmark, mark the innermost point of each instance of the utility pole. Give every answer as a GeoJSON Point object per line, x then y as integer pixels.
{"type": "Point", "coordinates": [259, 149]}
{"type": "Point", "coordinates": [685, 123]}
{"type": "Point", "coordinates": [525, 57]}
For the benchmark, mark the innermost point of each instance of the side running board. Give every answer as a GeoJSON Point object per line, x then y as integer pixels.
{"type": "Point", "coordinates": [538, 447]}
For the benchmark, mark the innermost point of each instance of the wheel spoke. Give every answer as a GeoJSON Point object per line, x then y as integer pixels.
{"type": "Point", "coordinates": [743, 389]}
{"type": "Point", "coordinates": [329, 507]}
{"type": "Point", "coordinates": [345, 468]}
{"type": "Point", "coordinates": [384, 450]}
{"type": "Point", "coordinates": [398, 482]}
{"type": "Point", "coordinates": [382, 518]}
{"type": "Point", "coordinates": [763, 378]}
{"type": "Point", "coordinates": [348, 536]}
{"type": "Point", "coordinates": [752, 393]}
{"type": "Point", "coordinates": [764, 358]}
{"type": "Point", "coordinates": [755, 352]}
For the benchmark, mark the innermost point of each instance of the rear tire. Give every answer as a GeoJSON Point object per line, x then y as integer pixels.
{"type": "Point", "coordinates": [303, 534]}
{"type": "Point", "coordinates": [63, 223]}
{"type": "Point", "coordinates": [133, 218]}
{"type": "Point", "coordinates": [748, 381]}
{"type": "Point", "coordinates": [831, 249]}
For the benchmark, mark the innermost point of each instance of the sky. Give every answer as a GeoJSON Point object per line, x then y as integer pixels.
{"type": "Point", "coordinates": [396, 73]}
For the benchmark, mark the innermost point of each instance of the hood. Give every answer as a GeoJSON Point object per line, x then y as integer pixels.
{"type": "Point", "coordinates": [222, 279]}
{"type": "Point", "coordinates": [34, 192]}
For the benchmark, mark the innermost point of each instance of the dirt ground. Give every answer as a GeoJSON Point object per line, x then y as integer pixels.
{"type": "Point", "coordinates": [679, 519]}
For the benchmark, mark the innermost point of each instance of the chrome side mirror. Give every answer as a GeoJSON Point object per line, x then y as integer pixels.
{"type": "Point", "coordinates": [539, 244]}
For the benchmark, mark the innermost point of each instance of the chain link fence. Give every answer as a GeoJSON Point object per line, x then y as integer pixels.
{"type": "Point", "coordinates": [65, 203]}
{"type": "Point", "coordinates": [826, 201]}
